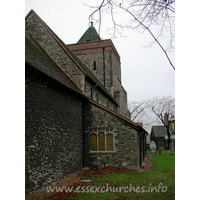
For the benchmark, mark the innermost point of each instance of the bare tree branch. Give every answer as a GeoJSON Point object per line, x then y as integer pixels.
{"type": "Point", "coordinates": [145, 13]}
{"type": "Point", "coordinates": [155, 39]}
{"type": "Point", "coordinates": [152, 111]}
{"type": "Point", "coordinates": [164, 108]}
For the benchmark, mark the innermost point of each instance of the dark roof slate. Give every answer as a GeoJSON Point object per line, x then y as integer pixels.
{"type": "Point", "coordinates": [159, 131]}
{"type": "Point", "coordinates": [90, 35]}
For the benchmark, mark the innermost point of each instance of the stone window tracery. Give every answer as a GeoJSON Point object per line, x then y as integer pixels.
{"type": "Point", "coordinates": [101, 140]}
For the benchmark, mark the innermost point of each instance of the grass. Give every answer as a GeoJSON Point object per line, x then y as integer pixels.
{"type": "Point", "coordinates": [144, 185]}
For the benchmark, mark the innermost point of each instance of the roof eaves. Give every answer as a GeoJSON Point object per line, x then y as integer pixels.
{"type": "Point", "coordinates": [79, 63]}
{"type": "Point", "coordinates": [66, 86]}
{"type": "Point", "coordinates": [92, 76]}
{"type": "Point", "coordinates": [60, 42]}
{"type": "Point", "coordinates": [117, 115]}
{"type": "Point", "coordinates": [99, 46]}
{"type": "Point", "coordinates": [52, 62]}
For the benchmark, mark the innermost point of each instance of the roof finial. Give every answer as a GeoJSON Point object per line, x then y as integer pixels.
{"type": "Point", "coordinates": [91, 23]}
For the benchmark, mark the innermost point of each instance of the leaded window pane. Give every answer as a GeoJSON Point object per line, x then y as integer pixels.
{"type": "Point", "coordinates": [109, 140]}
{"type": "Point", "coordinates": [93, 140]}
{"type": "Point", "coordinates": [101, 141]}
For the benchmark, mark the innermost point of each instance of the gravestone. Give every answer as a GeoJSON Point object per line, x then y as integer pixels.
{"type": "Point", "coordinates": [152, 147]}
{"type": "Point", "coordinates": [172, 146]}
{"type": "Point", "coordinates": [162, 151]}
{"type": "Point", "coordinates": [161, 146]}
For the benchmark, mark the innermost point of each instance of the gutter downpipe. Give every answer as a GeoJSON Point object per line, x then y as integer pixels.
{"type": "Point", "coordinates": [83, 131]}
{"type": "Point", "coordinates": [83, 136]}
{"type": "Point", "coordinates": [104, 71]}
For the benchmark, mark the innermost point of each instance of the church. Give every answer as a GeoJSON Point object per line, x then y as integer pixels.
{"type": "Point", "coordinates": [76, 112]}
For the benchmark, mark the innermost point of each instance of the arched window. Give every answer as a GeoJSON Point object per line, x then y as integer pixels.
{"type": "Point", "coordinates": [93, 140]}
{"type": "Point", "coordinates": [101, 141]}
{"type": "Point", "coordinates": [109, 141]}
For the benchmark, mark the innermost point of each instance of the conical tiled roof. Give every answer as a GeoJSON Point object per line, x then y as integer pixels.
{"type": "Point", "coordinates": [90, 35]}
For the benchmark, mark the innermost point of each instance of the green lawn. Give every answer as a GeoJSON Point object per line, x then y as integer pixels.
{"type": "Point", "coordinates": [138, 185]}
{"type": "Point", "coordinates": [156, 184]}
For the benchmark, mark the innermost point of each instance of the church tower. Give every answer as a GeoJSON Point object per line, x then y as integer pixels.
{"type": "Point", "coordinates": [103, 60]}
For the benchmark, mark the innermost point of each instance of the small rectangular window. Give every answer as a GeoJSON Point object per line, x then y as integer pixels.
{"type": "Point", "coordinates": [94, 65]}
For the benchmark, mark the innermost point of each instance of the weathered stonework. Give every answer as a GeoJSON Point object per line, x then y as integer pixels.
{"type": "Point", "coordinates": [93, 92]}
{"type": "Point", "coordinates": [65, 100]}
{"type": "Point", "coordinates": [104, 53]}
{"type": "Point", "coordinates": [126, 140]}
{"type": "Point", "coordinates": [53, 132]}
{"type": "Point", "coordinates": [54, 49]}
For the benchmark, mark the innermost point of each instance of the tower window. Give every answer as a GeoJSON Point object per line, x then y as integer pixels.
{"type": "Point", "coordinates": [94, 65]}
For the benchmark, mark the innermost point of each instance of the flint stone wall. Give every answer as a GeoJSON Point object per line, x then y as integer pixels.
{"type": "Point", "coordinates": [126, 140]}
{"type": "Point", "coordinates": [53, 127]}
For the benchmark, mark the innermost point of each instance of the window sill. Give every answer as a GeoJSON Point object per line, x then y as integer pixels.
{"type": "Point", "coordinates": [102, 151]}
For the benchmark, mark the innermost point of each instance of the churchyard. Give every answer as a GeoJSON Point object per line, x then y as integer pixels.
{"type": "Point", "coordinates": [158, 182]}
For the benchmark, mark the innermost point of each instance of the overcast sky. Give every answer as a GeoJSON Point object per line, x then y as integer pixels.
{"type": "Point", "coordinates": [146, 72]}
